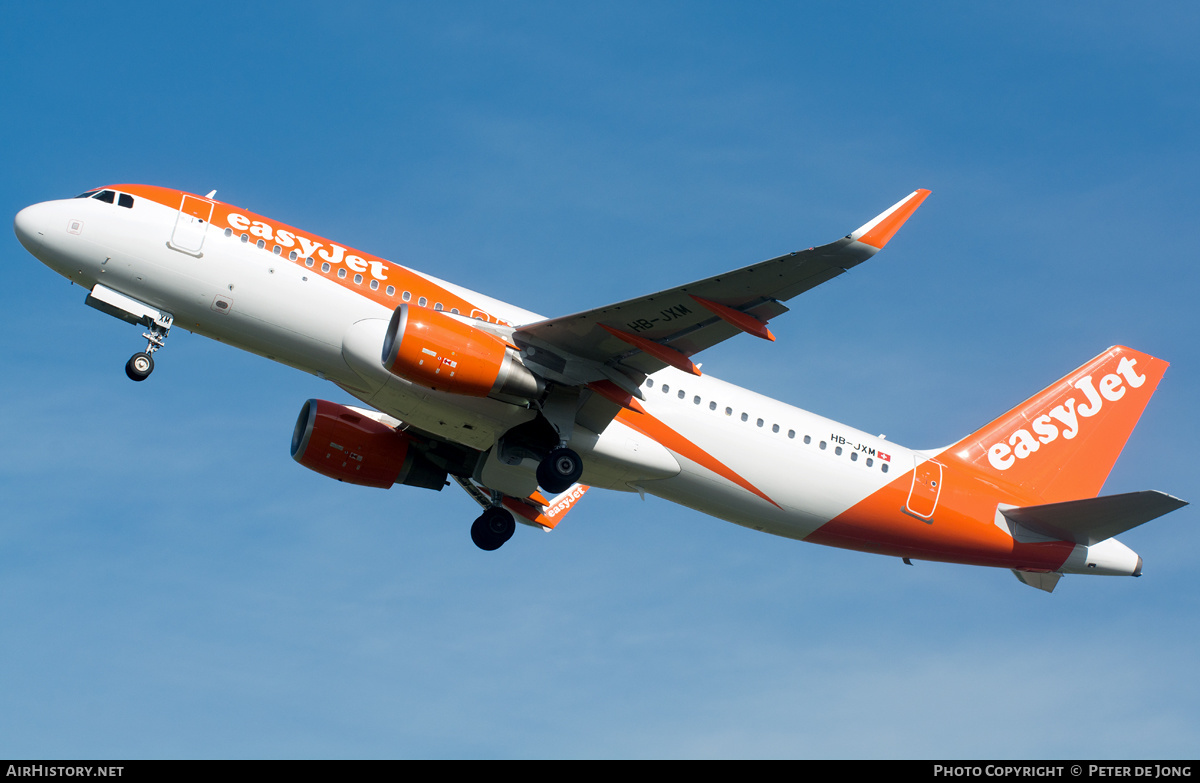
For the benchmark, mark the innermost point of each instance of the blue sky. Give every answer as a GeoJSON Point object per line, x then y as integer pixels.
{"type": "Point", "coordinates": [172, 584]}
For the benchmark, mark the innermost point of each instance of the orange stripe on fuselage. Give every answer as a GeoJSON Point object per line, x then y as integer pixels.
{"type": "Point", "coordinates": [636, 417]}
{"type": "Point", "coordinates": [321, 250]}
{"type": "Point", "coordinates": [1058, 445]}
{"type": "Point", "coordinates": [961, 530]}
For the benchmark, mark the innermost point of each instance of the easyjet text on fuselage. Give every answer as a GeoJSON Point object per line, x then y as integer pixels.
{"type": "Point", "coordinates": [307, 247]}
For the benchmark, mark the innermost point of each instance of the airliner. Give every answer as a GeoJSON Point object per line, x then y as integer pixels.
{"type": "Point", "coordinates": [528, 413]}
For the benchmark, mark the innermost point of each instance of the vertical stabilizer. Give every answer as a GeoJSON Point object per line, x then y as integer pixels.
{"type": "Point", "coordinates": [1061, 443]}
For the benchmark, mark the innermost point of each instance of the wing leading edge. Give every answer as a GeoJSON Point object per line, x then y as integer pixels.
{"type": "Point", "coordinates": [643, 335]}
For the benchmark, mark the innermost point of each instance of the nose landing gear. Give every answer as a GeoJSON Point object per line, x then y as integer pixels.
{"type": "Point", "coordinates": [134, 311]}
{"type": "Point", "coordinates": [140, 365]}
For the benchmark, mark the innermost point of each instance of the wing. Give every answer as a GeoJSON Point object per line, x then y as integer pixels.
{"type": "Point", "coordinates": [625, 341]}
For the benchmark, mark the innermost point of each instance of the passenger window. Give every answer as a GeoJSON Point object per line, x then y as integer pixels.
{"type": "Point", "coordinates": [666, 388]}
{"type": "Point", "coordinates": [277, 250]}
{"type": "Point", "coordinates": [697, 399]}
{"type": "Point", "coordinates": [358, 279]}
{"type": "Point", "coordinates": [437, 306]}
{"type": "Point", "coordinates": [342, 273]}
{"type": "Point", "coordinates": [791, 433]}
{"type": "Point", "coordinates": [883, 467]}
{"type": "Point", "coordinates": [870, 462]}
{"type": "Point", "coordinates": [260, 244]}
{"type": "Point", "coordinates": [729, 411]}
{"type": "Point", "coordinates": [808, 440]}
{"type": "Point", "coordinates": [229, 232]}
{"type": "Point", "coordinates": [422, 302]}
{"type": "Point", "coordinates": [649, 383]}
{"type": "Point", "coordinates": [374, 285]}
{"type": "Point", "coordinates": [854, 456]}
{"type": "Point", "coordinates": [682, 394]}
{"type": "Point", "coordinates": [406, 296]}
{"type": "Point", "coordinates": [745, 417]}
{"type": "Point", "coordinates": [837, 450]}
{"type": "Point", "coordinates": [125, 200]}
{"type": "Point", "coordinates": [325, 267]}
{"type": "Point", "coordinates": [774, 428]}
{"type": "Point", "coordinates": [391, 290]}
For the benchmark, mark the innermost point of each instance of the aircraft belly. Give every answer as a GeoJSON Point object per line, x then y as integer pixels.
{"type": "Point", "coordinates": [697, 488]}
{"type": "Point", "coordinates": [470, 421]}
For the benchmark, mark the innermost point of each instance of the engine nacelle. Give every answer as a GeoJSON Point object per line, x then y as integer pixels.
{"type": "Point", "coordinates": [341, 443]}
{"type": "Point", "coordinates": [439, 352]}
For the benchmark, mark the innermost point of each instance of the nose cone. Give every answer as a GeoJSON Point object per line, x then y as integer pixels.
{"type": "Point", "coordinates": [30, 227]}
{"type": "Point", "coordinates": [48, 231]}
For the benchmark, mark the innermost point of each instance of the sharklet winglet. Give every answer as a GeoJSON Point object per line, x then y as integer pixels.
{"type": "Point", "coordinates": [883, 227]}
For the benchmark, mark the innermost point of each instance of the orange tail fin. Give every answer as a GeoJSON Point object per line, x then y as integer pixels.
{"type": "Point", "coordinates": [1061, 443]}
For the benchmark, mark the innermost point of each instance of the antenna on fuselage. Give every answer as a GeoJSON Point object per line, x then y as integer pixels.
{"type": "Point", "coordinates": [211, 193]}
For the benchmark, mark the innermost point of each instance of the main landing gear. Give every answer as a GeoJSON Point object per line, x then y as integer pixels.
{"type": "Point", "coordinates": [561, 468]}
{"type": "Point", "coordinates": [140, 365]}
{"type": "Point", "coordinates": [495, 526]}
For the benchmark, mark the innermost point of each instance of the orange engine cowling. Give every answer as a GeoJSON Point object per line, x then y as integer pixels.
{"type": "Point", "coordinates": [341, 443]}
{"type": "Point", "coordinates": [442, 353]}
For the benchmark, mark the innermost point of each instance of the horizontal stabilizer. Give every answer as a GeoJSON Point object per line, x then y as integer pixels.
{"type": "Point", "coordinates": [1093, 520]}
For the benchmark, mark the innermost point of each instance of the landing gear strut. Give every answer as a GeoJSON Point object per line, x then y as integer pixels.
{"type": "Point", "coordinates": [140, 365]}
{"type": "Point", "coordinates": [495, 526]}
{"type": "Point", "coordinates": [561, 468]}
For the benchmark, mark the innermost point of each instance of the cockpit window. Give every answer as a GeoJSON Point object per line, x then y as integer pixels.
{"type": "Point", "coordinates": [89, 193]}
{"type": "Point", "coordinates": [107, 196]}
{"type": "Point", "coordinates": [125, 200]}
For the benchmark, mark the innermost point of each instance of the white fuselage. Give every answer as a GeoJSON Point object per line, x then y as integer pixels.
{"type": "Point", "coordinates": [692, 439]}
{"type": "Point", "coordinates": [812, 468]}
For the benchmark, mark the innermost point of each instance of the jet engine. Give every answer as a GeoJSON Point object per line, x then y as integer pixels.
{"type": "Point", "coordinates": [342, 443]}
{"type": "Point", "coordinates": [440, 352]}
